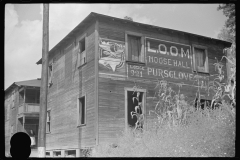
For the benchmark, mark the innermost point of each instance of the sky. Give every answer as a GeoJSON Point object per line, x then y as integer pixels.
{"type": "Point", "coordinates": [23, 27]}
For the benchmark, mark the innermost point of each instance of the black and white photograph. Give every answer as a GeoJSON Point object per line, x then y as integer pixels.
{"type": "Point", "coordinates": [120, 79]}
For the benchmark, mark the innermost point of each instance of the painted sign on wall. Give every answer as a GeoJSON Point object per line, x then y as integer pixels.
{"type": "Point", "coordinates": [167, 60]}
{"type": "Point", "coordinates": [111, 57]}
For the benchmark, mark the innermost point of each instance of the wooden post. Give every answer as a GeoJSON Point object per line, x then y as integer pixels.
{"type": "Point", "coordinates": [44, 84]}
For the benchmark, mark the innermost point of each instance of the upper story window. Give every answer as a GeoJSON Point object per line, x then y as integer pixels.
{"type": "Point", "coordinates": [50, 73]}
{"type": "Point", "coordinates": [82, 52]}
{"type": "Point", "coordinates": [135, 47]}
{"type": "Point", "coordinates": [200, 59]}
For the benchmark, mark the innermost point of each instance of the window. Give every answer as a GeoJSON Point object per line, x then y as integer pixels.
{"type": "Point", "coordinates": [81, 111]}
{"type": "Point", "coordinates": [135, 47]}
{"type": "Point", "coordinates": [206, 103]}
{"type": "Point", "coordinates": [200, 58]}
{"type": "Point", "coordinates": [134, 107]}
{"type": "Point", "coordinates": [48, 129]}
{"type": "Point", "coordinates": [50, 73]}
{"type": "Point", "coordinates": [82, 52]}
{"type": "Point", "coordinates": [70, 153]}
{"type": "Point", "coordinates": [56, 153]}
{"type": "Point", "coordinates": [47, 154]}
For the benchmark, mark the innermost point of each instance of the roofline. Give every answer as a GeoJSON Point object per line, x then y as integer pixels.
{"type": "Point", "coordinates": [93, 14]}
{"type": "Point", "coordinates": [88, 18]}
{"type": "Point", "coordinates": [14, 83]}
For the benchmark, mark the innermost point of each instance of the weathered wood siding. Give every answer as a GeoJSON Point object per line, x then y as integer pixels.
{"type": "Point", "coordinates": [12, 116]}
{"type": "Point", "coordinates": [7, 113]}
{"type": "Point", "coordinates": [70, 83]}
{"type": "Point", "coordinates": [111, 86]}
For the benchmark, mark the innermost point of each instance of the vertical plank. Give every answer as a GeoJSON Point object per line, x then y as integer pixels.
{"type": "Point", "coordinates": [96, 79]}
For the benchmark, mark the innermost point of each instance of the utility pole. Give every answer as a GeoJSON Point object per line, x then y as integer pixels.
{"type": "Point", "coordinates": [44, 84]}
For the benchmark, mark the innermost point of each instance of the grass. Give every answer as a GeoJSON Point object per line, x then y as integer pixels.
{"type": "Point", "coordinates": [205, 135]}
{"type": "Point", "coordinates": [186, 131]}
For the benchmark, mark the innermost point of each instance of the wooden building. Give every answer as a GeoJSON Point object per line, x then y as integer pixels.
{"type": "Point", "coordinates": [93, 71]}
{"type": "Point", "coordinates": [22, 109]}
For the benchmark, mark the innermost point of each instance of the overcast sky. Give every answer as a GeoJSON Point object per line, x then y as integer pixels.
{"type": "Point", "coordinates": [23, 27]}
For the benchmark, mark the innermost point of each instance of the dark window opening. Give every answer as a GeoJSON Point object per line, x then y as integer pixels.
{"type": "Point", "coordinates": [57, 153]}
{"type": "Point", "coordinates": [70, 153]}
{"type": "Point", "coordinates": [48, 130]}
{"type": "Point", "coordinates": [82, 109]}
{"type": "Point", "coordinates": [82, 52]}
{"type": "Point", "coordinates": [206, 103]}
{"type": "Point", "coordinates": [133, 111]}
{"type": "Point", "coordinates": [50, 71]}
{"type": "Point", "coordinates": [82, 45]}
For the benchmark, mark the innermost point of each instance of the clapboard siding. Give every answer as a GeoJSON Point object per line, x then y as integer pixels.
{"type": "Point", "coordinates": [111, 91]}
{"type": "Point", "coordinates": [69, 83]}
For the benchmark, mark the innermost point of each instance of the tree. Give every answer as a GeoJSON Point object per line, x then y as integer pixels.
{"type": "Point", "coordinates": [228, 34]}
{"type": "Point", "coordinates": [229, 11]}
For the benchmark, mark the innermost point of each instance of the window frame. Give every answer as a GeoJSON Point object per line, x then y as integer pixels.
{"type": "Point", "coordinates": [48, 122]}
{"type": "Point", "coordinates": [79, 53]}
{"type": "Point", "coordinates": [13, 99]}
{"type": "Point", "coordinates": [142, 54]}
{"type": "Point", "coordinates": [206, 64]}
{"type": "Point", "coordinates": [79, 116]}
{"type": "Point", "coordinates": [126, 89]}
{"type": "Point", "coordinates": [50, 75]}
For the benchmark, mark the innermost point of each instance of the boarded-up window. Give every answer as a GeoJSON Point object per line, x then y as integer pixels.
{"type": "Point", "coordinates": [82, 52]}
{"type": "Point", "coordinates": [81, 111]}
{"type": "Point", "coordinates": [134, 48]}
{"type": "Point", "coordinates": [50, 73]}
{"type": "Point", "coordinates": [48, 129]}
{"type": "Point", "coordinates": [200, 59]}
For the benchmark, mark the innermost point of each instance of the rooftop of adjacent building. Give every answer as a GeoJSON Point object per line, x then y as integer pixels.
{"type": "Point", "coordinates": [32, 83]}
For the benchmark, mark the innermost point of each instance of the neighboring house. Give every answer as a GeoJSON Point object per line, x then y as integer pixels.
{"type": "Point", "coordinates": [92, 72]}
{"type": "Point", "coordinates": [21, 109]}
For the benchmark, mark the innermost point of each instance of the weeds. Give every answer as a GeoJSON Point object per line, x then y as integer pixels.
{"type": "Point", "coordinates": [181, 130]}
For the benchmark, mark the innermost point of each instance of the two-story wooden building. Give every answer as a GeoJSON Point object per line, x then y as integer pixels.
{"type": "Point", "coordinates": [21, 109]}
{"type": "Point", "coordinates": [92, 72]}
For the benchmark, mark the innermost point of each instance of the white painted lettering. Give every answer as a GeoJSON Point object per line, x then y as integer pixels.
{"type": "Point", "coordinates": [165, 61]}
{"type": "Point", "coordinates": [169, 62]}
{"type": "Point", "coordinates": [149, 49]}
{"type": "Point", "coordinates": [149, 70]}
{"type": "Point", "coordinates": [175, 53]}
{"type": "Point", "coordinates": [171, 74]}
{"type": "Point", "coordinates": [166, 73]}
{"type": "Point", "coordinates": [150, 59]}
{"type": "Point", "coordinates": [175, 63]}
{"type": "Point", "coordinates": [160, 72]}
{"type": "Point", "coordinates": [185, 54]}
{"type": "Point", "coordinates": [164, 51]}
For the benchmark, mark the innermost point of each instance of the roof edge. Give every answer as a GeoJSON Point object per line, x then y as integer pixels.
{"type": "Point", "coordinates": [119, 19]}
